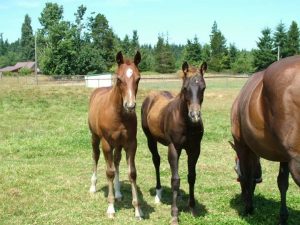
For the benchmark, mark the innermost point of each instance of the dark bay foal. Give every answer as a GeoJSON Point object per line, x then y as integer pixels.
{"type": "Point", "coordinates": [176, 122]}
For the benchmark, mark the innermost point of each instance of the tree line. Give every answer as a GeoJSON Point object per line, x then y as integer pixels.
{"type": "Point", "coordinates": [88, 46]}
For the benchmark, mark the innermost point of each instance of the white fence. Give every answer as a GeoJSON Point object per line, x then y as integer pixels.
{"type": "Point", "coordinates": [94, 81]}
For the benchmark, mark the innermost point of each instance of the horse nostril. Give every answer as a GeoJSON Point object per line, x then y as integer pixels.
{"type": "Point", "coordinates": [130, 106]}
{"type": "Point", "coordinates": [192, 114]}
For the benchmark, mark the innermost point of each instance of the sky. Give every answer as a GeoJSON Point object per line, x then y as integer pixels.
{"type": "Point", "coordinates": [240, 21]}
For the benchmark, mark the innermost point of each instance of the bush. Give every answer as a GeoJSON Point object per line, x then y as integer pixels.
{"type": "Point", "coordinates": [25, 71]}
{"type": "Point", "coordinates": [8, 73]}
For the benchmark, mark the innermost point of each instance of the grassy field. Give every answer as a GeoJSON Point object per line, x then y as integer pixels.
{"type": "Point", "coordinates": [46, 164]}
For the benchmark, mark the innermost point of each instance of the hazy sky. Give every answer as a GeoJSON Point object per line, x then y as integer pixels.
{"type": "Point", "coordinates": [240, 21]}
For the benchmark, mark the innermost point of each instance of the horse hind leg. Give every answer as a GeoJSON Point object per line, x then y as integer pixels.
{"type": "Point", "coordinates": [152, 144]}
{"type": "Point", "coordinates": [117, 185]}
{"type": "Point", "coordinates": [283, 184]}
{"type": "Point", "coordinates": [294, 166]}
{"type": "Point", "coordinates": [249, 164]}
{"type": "Point", "coordinates": [96, 154]}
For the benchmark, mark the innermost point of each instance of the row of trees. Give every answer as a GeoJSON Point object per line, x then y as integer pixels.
{"type": "Point", "coordinates": [88, 46]}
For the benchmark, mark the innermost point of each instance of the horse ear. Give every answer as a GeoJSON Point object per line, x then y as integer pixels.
{"type": "Point", "coordinates": [203, 68]}
{"type": "Point", "coordinates": [137, 58]}
{"type": "Point", "coordinates": [185, 68]}
{"type": "Point", "coordinates": [119, 58]}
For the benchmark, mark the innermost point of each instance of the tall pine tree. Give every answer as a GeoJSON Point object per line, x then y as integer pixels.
{"type": "Point", "coordinates": [27, 40]}
{"type": "Point", "coordinates": [164, 59]}
{"type": "Point", "coordinates": [219, 53]}
{"type": "Point", "coordinates": [280, 39]}
{"type": "Point", "coordinates": [264, 55]}
{"type": "Point", "coordinates": [292, 45]}
{"type": "Point", "coordinates": [192, 52]}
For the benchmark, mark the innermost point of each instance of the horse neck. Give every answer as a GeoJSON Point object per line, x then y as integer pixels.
{"type": "Point", "coordinates": [181, 106]}
{"type": "Point", "coordinates": [116, 99]}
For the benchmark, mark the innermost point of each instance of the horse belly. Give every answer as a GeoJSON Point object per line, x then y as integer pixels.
{"type": "Point", "coordinates": [155, 119]}
{"type": "Point", "coordinates": [154, 123]}
{"type": "Point", "coordinates": [264, 144]}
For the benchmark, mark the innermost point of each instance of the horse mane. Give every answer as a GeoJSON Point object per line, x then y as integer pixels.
{"type": "Point", "coordinates": [127, 61]}
{"type": "Point", "coordinates": [192, 72]}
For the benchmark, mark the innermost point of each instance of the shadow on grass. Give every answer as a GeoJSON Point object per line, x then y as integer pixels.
{"type": "Point", "coordinates": [182, 202]}
{"type": "Point", "coordinates": [126, 201]}
{"type": "Point", "coordinates": [266, 211]}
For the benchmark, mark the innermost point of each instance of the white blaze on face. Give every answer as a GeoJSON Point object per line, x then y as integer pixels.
{"type": "Point", "coordinates": [129, 72]}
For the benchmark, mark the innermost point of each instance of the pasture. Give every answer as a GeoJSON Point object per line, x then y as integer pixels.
{"type": "Point", "coordinates": [46, 163]}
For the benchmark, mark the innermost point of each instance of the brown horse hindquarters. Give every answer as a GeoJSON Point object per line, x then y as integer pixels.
{"type": "Point", "coordinates": [251, 128]}
{"type": "Point", "coordinates": [266, 122]}
{"type": "Point", "coordinates": [284, 104]}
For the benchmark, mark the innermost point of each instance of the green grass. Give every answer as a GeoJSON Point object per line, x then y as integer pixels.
{"type": "Point", "coordinates": [46, 164]}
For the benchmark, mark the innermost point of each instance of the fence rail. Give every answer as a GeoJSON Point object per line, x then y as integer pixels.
{"type": "Point", "coordinates": [159, 81]}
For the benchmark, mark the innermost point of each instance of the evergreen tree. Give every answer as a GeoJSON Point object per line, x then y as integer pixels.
{"type": "Point", "coordinates": [164, 59]}
{"type": "Point", "coordinates": [135, 46]}
{"type": "Point", "coordinates": [219, 54]}
{"type": "Point", "coordinates": [206, 50]}
{"type": "Point", "coordinates": [264, 55]}
{"type": "Point", "coordinates": [178, 53]}
{"type": "Point", "coordinates": [232, 53]}
{"type": "Point", "coordinates": [243, 62]}
{"type": "Point", "coordinates": [147, 63]}
{"type": "Point", "coordinates": [3, 48]}
{"type": "Point", "coordinates": [192, 52]}
{"type": "Point", "coordinates": [27, 40]}
{"type": "Point", "coordinates": [292, 45]}
{"type": "Point", "coordinates": [126, 46]}
{"type": "Point", "coordinates": [280, 39]}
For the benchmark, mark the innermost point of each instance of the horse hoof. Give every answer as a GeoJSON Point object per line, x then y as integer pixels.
{"type": "Point", "coordinates": [119, 198]}
{"type": "Point", "coordinates": [93, 189]}
{"type": "Point", "coordinates": [139, 218]}
{"type": "Point", "coordinates": [157, 200]}
{"type": "Point", "coordinates": [193, 211]}
{"type": "Point", "coordinates": [249, 211]}
{"type": "Point", "coordinates": [174, 221]}
{"type": "Point", "coordinates": [110, 215]}
{"type": "Point", "coordinates": [139, 214]}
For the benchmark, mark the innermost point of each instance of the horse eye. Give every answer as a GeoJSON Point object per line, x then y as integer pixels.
{"type": "Point", "coordinates": [137, 79]}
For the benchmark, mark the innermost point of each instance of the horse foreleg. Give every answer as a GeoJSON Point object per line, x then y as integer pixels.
{"type": "Point", "coordinates": [110, 174]}
{"type": "Point", "coordinates": [117, 185]}
{"type": "Point", "coordinates": [175, 181]}
{"type": "Point", "coordinates": [130, 157]}
{"type": "Point", "coordinates": [193, 156]}
{"type": "Point", "coordinates": [283, 184]}
{"type": "Point", "coordinates": [96, 154]}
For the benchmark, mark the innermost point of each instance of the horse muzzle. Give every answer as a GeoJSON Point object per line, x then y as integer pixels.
{"type": "Point", "coordinates": [195, 116]}
{"type": "Point", "coordinates": [129, 107]}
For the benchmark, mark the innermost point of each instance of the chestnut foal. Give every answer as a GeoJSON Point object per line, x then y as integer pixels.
{"type": "Point", "coordinates": [112, 120]}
